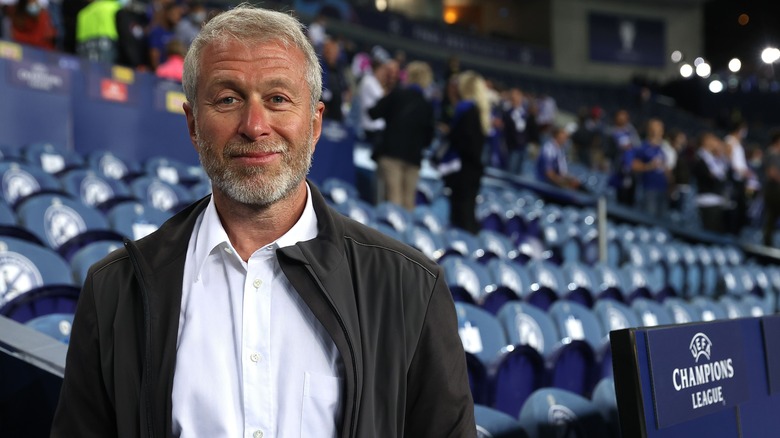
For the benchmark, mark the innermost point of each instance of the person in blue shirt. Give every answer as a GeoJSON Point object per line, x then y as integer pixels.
{"type": "Point", "coordinates": [649, 163]}
{"type": "Point", "coordinates": [551, 165]}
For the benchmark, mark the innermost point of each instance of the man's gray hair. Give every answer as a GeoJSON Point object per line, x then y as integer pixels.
{"type": "Point", "coordinates": [252, 25]}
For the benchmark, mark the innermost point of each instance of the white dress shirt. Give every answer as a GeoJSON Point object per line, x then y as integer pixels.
{"type": "Point", "coordinates": [252, 360]}
{"type": "Point", "coordinates": [370, 92]}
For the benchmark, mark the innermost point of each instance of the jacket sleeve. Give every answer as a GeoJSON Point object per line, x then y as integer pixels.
{"type": "Point", "coordinates": [85, 409]}
{"type": "Point", "coordinates": [380, 110]}
{"type": "Point", "coordinates": [439, 400]}
{"type": "Point", "coordinates": [467, 138]}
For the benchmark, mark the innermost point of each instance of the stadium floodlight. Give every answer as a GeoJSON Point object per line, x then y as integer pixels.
{"type": "Point", "coordinates": [703, 70]}
{"type": "Point", "coordinates": [381, 5]}
{"type": "Point", "coordinates": [770, 55]}
{"type": "Point", "coordinates": [698, 61]}
{"type": "Point", "coordinates": [686, 70]}
{"type": "Point", "coordinates": [716, 86]}
{"type": "Point", "coordinates": [734, 65]}
{"type": "Point", "coordinates": [677, 56]}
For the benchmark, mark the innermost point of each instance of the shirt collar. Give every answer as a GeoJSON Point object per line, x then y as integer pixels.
{"type": "Point", "coordinates": [211, 235]}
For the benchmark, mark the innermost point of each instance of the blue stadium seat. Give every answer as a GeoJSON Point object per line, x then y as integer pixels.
{"type": "Point", "coordinates": [428, 190]}
{"type": "Point", "coordinates": [357, 209]}
{"type": "Point", "coordinates": [425, 216]}
{"type": "Point", "coordinates": [20, 181]}
{"type": "Point", "coordinates": [494, 245]}
{"type": "Point", "coordinates": [110, 166]}
{"type": "Point", "coordinates": [581, 282]}
{"type": "Point", "coordinates": [490, 215]}
{"type": "Point", "coordinates": [509, 282]}
{"type": "Point", "coordinates": [174, 172]}
{"type": "Point", "coordinates": [610, 282]}
{"type": "Point", "coordinates": [636, 281]}
{"type": "Point", "coordinates": [88, 255]}
{"type": "Point", "coordinates": [55, 325]}
{"type": "Point", "coordinates": [160, 194]}
{"type": "Point", "coordinates": [135, 220]}
{"type": "Point", "coordinates": [651, 313]}
{"type": "Point", "coordinates": [492, 423]}
{"type": "Point", "coordinates": [733, 307]}
{"type": "Point", "coordinates": [606, 402]}
{"type": "Point", "coordinates": [526, 324]}
{"type": "Point", "coordinates": [754, 306]}
{"type": "Point", "coordinates": [553, 412]}
{"type": "Point", "coordinates": [519, 372]}
{"type": "Point", "coordinates": [576, 322]}
{"type": "Point", "coordinates": [709, 309]}
{"type": "Point", "coordinates": [466, 279]}
{"type": "Point", "coordinates": [393, 215]}
{"type": "Point", "coordinates": [680, 311]}
{"type": "Point", "coordinates": [51, 158]}
{"type": "Point", "coordinates": [424, 241]}
{"type": "Point", "coordinates": [94, 190]}
{"type": "Point", "coordinates": [480, 333]}
{"type": "Point", "coordinates": [479, 381]}
{"type": "Point", "coordinates": [547, 283]}
{"type": "Point", "coordinates": [459, 243]}
{"type": "Point", "coordinates": [338, 191]}
{"type": "Point", "coordinates": [613, 315]}
{"type": "Point", "coordinates": [530, 248]}
{"type": "Point", "coordinates": [672, 262]}
{"type": "Point", "coordinates": [62, 223]}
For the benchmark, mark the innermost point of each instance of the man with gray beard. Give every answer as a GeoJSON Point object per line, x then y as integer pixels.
{"type": "Point", "coordinates": [259, 311]}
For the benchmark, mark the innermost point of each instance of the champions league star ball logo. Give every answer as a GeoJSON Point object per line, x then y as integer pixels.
{"type": "Point", "coordinates": [700, 346]}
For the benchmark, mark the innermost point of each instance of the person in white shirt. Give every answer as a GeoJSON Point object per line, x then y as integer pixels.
{"type": "Point", "coordinates": [259, 311]}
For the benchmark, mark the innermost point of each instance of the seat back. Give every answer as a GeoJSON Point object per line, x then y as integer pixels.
{"type": "Point", "coordinates": [492, 423]}
{"type": "Point", "coordinates": [338, 191]}
{"type": "Point", "coordinates": [613, 315]}
{"type": "Point", "coordinates": [135, 220]}
{"type": "Point", "coordinates": [553, 412]}
{"type": "Point", "coordinates": [25, 266]}
{"type": "Point", "coordinates": [51, 158]}
{"type": "Point", "coordinates": [55, 325]}
{"type": "Point", "coordinates": [174, 172]}
{"type": "Point", "coordinates": [160, 194]}
{"type": "Point", "coordinates": [110, 166]}
{"type": "Point", "coordinates": [92, 189]}
{"type": "Point", "coordinates": [20, 181]}
{"type": "Point", "coordinates": [57, 219]}
{"type": "Point", "coordinates": [526, 324]}
{"type": "Point", "coordinates": [576, 322]}
{"type": "Point", "coordinates": [393, 215]}
{"type": "Point", "coordinates": [651, 313]}
{"type": "Point", "coordinates": [480, 333]}
{"type": "Point", "coordinates": [465, 276]}
{"type": "Point", "coordinates": [85, 257]}
{"type": "Point", "coordinates": [680, 311]}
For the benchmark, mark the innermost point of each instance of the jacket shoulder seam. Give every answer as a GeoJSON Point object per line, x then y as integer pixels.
{"type": "Point", "coordinates": [373, 245]}
{"type": "Point", "coordinates": [116, 260]}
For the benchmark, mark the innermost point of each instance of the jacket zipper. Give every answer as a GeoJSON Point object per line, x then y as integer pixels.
{"type": "Point", "coordinates": [147, 390]}
{"type": "Point", "coordinates": [349, 344]}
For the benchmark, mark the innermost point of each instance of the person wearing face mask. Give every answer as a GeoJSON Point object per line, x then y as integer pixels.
{"type": "Point", "coordinates": [189, 26]}
{"type": "Point", "coordinates": [31, 24]}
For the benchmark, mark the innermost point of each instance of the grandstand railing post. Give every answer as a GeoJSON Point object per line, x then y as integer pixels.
{"type": "Point", "coordinates": [601, 212]}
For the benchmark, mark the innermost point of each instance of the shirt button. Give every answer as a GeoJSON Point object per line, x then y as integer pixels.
{"type": "Point", "coordinates": [257, 282]}
{"type": "Point", "coordinates": [254, 357]}
{"type": "Point", "coordinates": [257, 434]}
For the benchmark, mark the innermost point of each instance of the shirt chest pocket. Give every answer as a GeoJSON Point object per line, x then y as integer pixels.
{"type": "Point", "coordinates": [322, 405]}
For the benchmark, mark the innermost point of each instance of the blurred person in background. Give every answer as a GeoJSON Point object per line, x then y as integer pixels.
{"type": "Point", "coordinates": [710, 170]}
{"type": "Point", "coordinates": [680, 176]}
{"type": "Point", "coordinates": [189, 26]}
{"type": "Point", "coordinates": [740, 174]}
{"type": "Point", "coordinates": [621, 142]}
{"type": "Point", "coordinates": [96, 33]}
{"type": "Point", "coordinates": [516, 122]}
{"type": "Point", "coordinates": [31, 24]}
{"type": "Point", "coordinates": [409, 130]}
{"type": "Point", "coordinates": [70, 10]}
{"type": "Point", "coordinates": [771, 188]}
{"type": "Point", "coordinates": [132, 44]}
{"type": "Point", "coordinates": [467, 133]}
{"type": "Point", "coordinates": [551, 165]}
{"type": "Point", "coordinates": [588, 138]}
{"type": "Point", "coordinates": [162, 32]}
{"type": "Point", "coordinates": [335, 88]}
{"type": "Point", "coordinates": [173, 67]}
{"type": "Point", "coordinates": [650, 163]}
{"type": "Point", "coordinates": [368, 93]}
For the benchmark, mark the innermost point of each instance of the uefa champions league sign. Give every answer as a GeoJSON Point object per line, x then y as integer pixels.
{"type": "Point", "coordinates": [696, 370]}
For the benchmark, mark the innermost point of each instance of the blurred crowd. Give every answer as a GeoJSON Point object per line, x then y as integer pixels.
{"type": "Point", "coordinates": [408, 109]}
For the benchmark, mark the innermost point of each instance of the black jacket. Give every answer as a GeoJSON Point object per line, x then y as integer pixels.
{"type": "Point", "coordinates": [466, 137]}
{"type": "Point", "coordinates": [409, 125]}
{"type": "Point", "coordinates": [385, 305]}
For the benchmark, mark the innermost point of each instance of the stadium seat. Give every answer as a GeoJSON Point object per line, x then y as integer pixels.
{"type": "Point", "coordinates": [108, 165]}
{"type": "Point", "coordinates": [20, 181]}
{"type": "Point", "coordinates": [753, 306]}
{"type": "Point", "coordinates": [94, 190]}
{"type": "Point", "coordinates": [62, 223]}
{"type": "Point", "coordinates": [480, 333]}
{"type": "Point", "coordinates": [733, 307]}
{"type": "Point", "coordinates": [681, 311]}
{"type": "Point", "coordinates": [636, 281]}
{"type": "Point", "coordinates": [466, 279]}
{"type": "Point", "coordinates": [55, 325]}
{"type": "Point", "coordinates": [576, 322]}
{"type": "Point", "coordinates": [459, 243]}
{"type": "Point", "coordinates": [135, 220]}
{"type": "Point", "coordinates": [494, 245]}
{"type": "Point", "coordinates": [357, 209]}
{"type": "Point", "coordinates": [547, 283]}
{"type": "Point", "coordinates": [88, 255]}
{"type": "Point", "coordinates": [492, 423]}
{"type": "Point", "coordinates": [610, 282]}
{"type": "Point", "coordinates": [424, 241]}
{"type": "Point", "coordinates": [709, 309]}
{"type": "Point", "coordinates": [428, 190]}
{"type": "Point", "coordinates": [393, 215]}
{"type": "Point", "coordinates": [553, 412]}
{"type": "Point", "coordinates": [425, 216]}
{"type": "Point", "coordinates": [174, 172]}
{"type": "Point", "coordinates": [581, 283]}
{"type": "Point", "coordinates": [160, 194]}
{"type": "Point", "coordinates": [519, 372]}
{"type": "Point", "coordinates": [490, 215]}
{"type": "Point", "coordinates": [526, 324]}
{"type": "Point", "coordinates": [613, 315]}
{"type": "Point", "coordinates": [509, 282]}
{"type": "Point", "coordinates": [651, 313]}
{"type": "Point", "coordinates": [530, 248]}
{"type": "Point", "coordinates": [606, 402]}
{"type": "Point", "coordinates": [52, 159]}
{"type": "Point", "coordinates": [338, 191]}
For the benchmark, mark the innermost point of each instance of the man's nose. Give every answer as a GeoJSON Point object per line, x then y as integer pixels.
{"type": "Point", "coordinates": [255, 118]}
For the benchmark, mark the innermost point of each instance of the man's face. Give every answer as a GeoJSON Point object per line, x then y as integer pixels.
{"type": "Point", "coordinates": [254, 130]}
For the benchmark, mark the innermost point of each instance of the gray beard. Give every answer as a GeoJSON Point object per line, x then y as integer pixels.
{"type": "Point", "coordinates": [256, 186]}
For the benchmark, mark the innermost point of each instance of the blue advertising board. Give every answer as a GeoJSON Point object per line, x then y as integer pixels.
{"type": "Point", "coordinates": [771, 329]}
{"type": "Point", "coordinates": [696, 371]}
{"type": "Point", "coordinates": [620, 39]}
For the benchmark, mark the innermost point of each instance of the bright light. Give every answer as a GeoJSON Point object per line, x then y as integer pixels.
{"type": "Point", "coordinates": [770, 55]}
{"type": "Point", "coordinates": [716, 86]}
{"type": "Point", "coordinates": [698, 61]}
{"type": "Point", "coordinates": [450, 16]}
{"type": "Point", "coordinates": [381, 5]}
{"type": "Point", "coordinates": [703, 70]}
{"type": "Point", "coordinates": [734, 65]}
{"type": "Point", "coordinates": [686, 70]}
{"type": "Point", "coordinates": [676, 56]}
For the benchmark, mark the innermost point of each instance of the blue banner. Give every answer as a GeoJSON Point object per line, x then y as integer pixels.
{"type": "Point", "coordinates": [696, 370]}
{"type": "Point", "coordinates": [771, 327]}
{"type": "Point", "coordinates": [627, 40]}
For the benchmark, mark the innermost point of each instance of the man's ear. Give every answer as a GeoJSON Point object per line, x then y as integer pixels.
{"type": "Point", "coordinates": [317, 123]}
{"type": "Point", "coordinates": [190, 123]}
